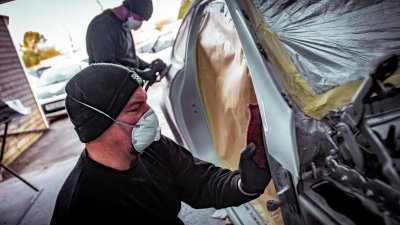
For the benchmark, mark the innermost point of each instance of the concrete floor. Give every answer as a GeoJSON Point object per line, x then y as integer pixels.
{"type": "Point", "coordinates": [47, 163]}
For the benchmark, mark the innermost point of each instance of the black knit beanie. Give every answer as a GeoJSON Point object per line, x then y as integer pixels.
{"type": "Point", "coordinates": [104, 86]}
{"type": "Point", "coordinates": [143, 8]}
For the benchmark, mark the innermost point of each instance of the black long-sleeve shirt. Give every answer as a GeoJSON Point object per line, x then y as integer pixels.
{"type": "Point", "coordinates": [152, 191]}
{"type": "Point", "coordinates": [108, 41]}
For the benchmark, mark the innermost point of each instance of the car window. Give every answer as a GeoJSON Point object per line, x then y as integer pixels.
{"type": "Point", "coordinates": [38, 71]}
{"type": "Point", "coordinates": [33, 73]}
{"type": "Point", "coordinates": [146, 47]}
{"type": "Point", "coordinates": [55, 75]}
{"type": "Point", "coordinates": [164, 41]}
{"type": "Point", "coordinates": [157, 44]}
{"type": "Point", "coordinates": [178, 52]}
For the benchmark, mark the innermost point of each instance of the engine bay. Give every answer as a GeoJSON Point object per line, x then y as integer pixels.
{"type": "Point", "coordinates": [353, 175]}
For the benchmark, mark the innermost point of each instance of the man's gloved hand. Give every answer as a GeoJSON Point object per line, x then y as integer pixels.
{"type": "Point", "coordinates": [153, 73]}
{"type": "Point", "coordinates": [254, 179]}
{"type": "Point", "coordinates": [148, 76]}
{"type": "Point", "coordinates": [157, 65]}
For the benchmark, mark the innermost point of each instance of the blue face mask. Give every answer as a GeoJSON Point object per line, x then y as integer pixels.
{"type": "Point", "coordinates": [144, 132]}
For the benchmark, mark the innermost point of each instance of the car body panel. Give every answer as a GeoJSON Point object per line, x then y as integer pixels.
{"type": "Point", "coordinates": [190, 115]}
{"type": "Point", "coordinates": [211, 80]}
{"type": "Point", "coordinates": [278, 120]}
{"type": "Point", "coordinates": [188, 109]}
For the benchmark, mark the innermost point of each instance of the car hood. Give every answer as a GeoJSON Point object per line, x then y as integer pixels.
{"type": "Point", "coordinates": [51, 90]}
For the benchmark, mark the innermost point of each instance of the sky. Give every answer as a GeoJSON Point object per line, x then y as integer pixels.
{"type": "Point", "coordinates": [61, 21]}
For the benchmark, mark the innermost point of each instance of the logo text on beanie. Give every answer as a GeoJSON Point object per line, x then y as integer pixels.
{"type": "Point", "coordinates": [137, 78]}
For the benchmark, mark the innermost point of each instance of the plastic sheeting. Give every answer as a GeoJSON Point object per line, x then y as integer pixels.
{"type": "Point", "coordinates": [313, 105]}
{"type": "Point", "coordinates": [334, 42]}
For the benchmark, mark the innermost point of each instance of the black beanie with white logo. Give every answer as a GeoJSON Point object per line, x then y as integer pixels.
{"type": "Point", "coordinates": [104, 86]}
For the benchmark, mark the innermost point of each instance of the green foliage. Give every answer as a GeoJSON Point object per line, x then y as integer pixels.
{"type": "Point", "coordinates": [34, 49]}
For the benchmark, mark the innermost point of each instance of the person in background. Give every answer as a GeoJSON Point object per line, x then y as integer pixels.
{"type": "Point", "coordinates": [109, 38]}
{"type": "Point", "coordinates": [128, 172]}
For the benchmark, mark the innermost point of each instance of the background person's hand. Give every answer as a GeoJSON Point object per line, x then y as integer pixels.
{"type": "Point", "coordinates": [254, 179]}
{"type": "Point", "coordinates": [157, 65]}
{"type": "Point", "coordinates": [160, 67]}
{"type": "Point", "coordinates": [153, 73]}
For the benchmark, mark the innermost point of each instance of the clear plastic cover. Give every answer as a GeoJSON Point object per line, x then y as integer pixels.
{"type": "Point", "coordinates": [334, 42]}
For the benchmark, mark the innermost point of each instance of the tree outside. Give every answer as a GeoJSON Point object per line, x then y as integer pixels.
{"type": "Point", "coordinates": [34, 49]}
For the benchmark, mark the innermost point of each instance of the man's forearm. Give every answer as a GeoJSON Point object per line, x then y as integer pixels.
{"type": "Point", "coordinates": [142, 64]}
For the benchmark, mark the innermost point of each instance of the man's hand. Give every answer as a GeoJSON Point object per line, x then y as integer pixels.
{"type": "Point", "coordinates": [160, 67]}
{"type": "Point", "coordinates": [254, 179]}
{"type": "Point", "coordinates": [153, 73]}
{"type": "Point", "coordinates": [157, 65]}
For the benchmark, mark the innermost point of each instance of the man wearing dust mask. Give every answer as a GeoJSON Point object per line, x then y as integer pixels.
{"type": "Point", "coordinates": [129, 172]}
{"type": "Point", "coordinates": [109, 36]}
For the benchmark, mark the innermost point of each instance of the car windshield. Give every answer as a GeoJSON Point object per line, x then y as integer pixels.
{"type": "Point", "coordinates": [145, 47]}
{"type": "Point", "coordinates": [157, 44]}
{"type": "Point", "coordinates": [163, 41]}
{"type": "Point", "coordinates": [56, 75]}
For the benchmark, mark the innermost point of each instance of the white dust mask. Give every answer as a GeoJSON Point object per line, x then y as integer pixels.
{"type": "Point", "coordinates": [146, 131]}
{"type": "Point", "coordinates": [132, 24]}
